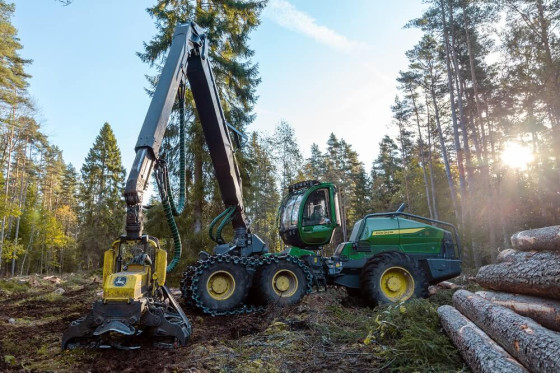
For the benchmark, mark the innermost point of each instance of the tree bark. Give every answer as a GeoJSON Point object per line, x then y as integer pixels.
{"type": "Point", "coordinates": [544, 311]}
{"type": "Point", "coordinates": [536, 347]}
{"type": "Point", "coordinates": [547, 238]}
{"type": "Point", "coordinates": [511, 255]}
{"type": "Point", "coordinates": [479, 351]}
{"type": "Point", "coordinates": [457, 142]}
{"type": "Point", "coordinates": [421, 150]}
{"type": "Point", "coordinates": [431, 164]}
{"type": "Point", "coordinates": [538, 275]}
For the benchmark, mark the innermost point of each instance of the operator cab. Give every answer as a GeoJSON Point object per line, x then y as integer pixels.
{"type": "Point", "coordinates": [309, 214]}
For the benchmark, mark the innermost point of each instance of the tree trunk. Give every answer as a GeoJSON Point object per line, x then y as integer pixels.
{"type": "Point", "coordinates": [6, 188]}
{"type": "Point", "coordinates": [544, 311]}
{"type": "Point", "coordinates": [537, 274]}
{"type": "Point", "coordinates": [422, 154]}
{"type": "Point", "coordinates": [547, 238]}
{"type": "Point", "coordinates": [479, 351]}
{"type": "Point", "coordinates": [431, 164]}
{"type": "Point", "coordinates": [452, 193]}
{"type": "Point", "coordinates": [457, 142]}
{"type": "Point", "coordinates": [482, 156]}
{"type": "Point", "coordinates": [536, 347]}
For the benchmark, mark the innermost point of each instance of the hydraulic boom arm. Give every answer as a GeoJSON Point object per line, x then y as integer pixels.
{"type": "Point", "coordinates": [187, 59]}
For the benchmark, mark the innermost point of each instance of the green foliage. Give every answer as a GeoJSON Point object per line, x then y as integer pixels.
{"type": "Point", "coordinates": [228, 25]}
{"type": "Point", "coordinates": [13, 286]}
{"type": "Point", "coordinates": [102, 207]}
{"type": "Point", "coordinates": [409, 336]}
{"type": "Point", "coordinates": [260, 191]}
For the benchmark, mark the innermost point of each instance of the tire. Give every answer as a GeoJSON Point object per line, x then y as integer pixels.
{"type": "Point", "coordinates": [223, 286]}
{"type": "Point", "coordinates": [281, 283]}
{"type": "Point", "coordinates": [392, 277]}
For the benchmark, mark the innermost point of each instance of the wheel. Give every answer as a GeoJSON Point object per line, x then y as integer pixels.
{"type": "Point", "coordinates": [392, 277]}
{"type": "Point", "coordinates": [281, 283]}
{"type": "Point", "coordinates": [222, 286]}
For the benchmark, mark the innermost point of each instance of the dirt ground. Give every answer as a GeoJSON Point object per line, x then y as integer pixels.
{"type": "Point", "coordinates": [325, 332]}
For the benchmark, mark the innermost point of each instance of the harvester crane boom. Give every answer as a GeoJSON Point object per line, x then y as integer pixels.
{"type": "Point", "coordinates": [187, 60]}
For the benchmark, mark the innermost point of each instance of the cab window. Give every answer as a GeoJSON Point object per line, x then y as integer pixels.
{"type": "Point", "coordinates": [316, 211]}
{"type": "Point", "coordinates": [291, 210]}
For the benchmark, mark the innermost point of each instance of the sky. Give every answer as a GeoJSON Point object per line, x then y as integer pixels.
{"type": "Point", "coordinates": [326, 67]}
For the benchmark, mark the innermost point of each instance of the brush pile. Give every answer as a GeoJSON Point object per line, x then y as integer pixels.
{"type": "Point", "coordinates": [514, 325]}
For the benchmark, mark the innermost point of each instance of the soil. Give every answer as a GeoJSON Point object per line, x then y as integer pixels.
{"type": "Point", "coordinates": [325, 332]}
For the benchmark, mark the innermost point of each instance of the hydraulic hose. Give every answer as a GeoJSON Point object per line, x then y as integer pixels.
{"type": "Point", "coordinates": [174, 233]}
{"type": "Point", "coordinates": [162, 178]}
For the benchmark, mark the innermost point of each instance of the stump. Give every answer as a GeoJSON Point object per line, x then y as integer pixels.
{"type": "Point", "coordinates": [477, 349]}
{"type": "Point", "coordinates": [544, 311]}
{"type": "Point", "coordinates": [536, 347]}
{"type": "Point", "coordinates": [547, 239]}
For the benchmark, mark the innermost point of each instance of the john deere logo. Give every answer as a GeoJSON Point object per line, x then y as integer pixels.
{"type": "Point", "coordinates": [120, 281]}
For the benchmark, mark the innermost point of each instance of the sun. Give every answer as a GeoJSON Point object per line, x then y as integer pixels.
{"type": "Point", "coordinates": [516, 155]}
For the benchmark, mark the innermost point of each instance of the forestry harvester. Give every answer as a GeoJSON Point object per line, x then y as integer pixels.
{"type": "Point", "coordinates": [390, 256]}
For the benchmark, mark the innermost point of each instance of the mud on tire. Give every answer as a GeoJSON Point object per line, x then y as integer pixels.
{"type": "Point", "coordinates": [392, 277]}
{"type": "Point", "coordinates": [282, 283]}
{"type": "Point", "coordinates": [222, 286]}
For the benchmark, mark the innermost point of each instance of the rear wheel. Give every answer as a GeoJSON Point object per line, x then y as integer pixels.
{"type": "Point", "coordinates": [222, 286]}
{"type": "Point", "coordinates": [392, 277]}
{"type": "Point", "coordinates": [284, 282]}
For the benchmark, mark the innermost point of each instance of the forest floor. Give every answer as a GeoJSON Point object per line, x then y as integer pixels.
{"type": "Point", "coordinates": [327, 331]}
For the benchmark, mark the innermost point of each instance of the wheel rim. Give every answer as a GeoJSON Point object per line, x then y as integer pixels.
{"type": "Point", "coordinates": [285, 283]}
{"type": "Point", "coordinates": [220, 285]}
{"type": "Point", "coordinates": [397, 284]}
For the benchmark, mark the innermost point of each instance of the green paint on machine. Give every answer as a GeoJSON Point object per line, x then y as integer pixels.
{"type": "Point", "coordinates": [415, 247]}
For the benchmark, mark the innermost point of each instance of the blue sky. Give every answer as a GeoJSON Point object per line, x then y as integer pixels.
{"type": "Point", "coordinates": [326, 66]}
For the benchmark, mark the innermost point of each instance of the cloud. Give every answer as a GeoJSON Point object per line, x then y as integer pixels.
{"type": "Point", "coordinates": [286, 15]}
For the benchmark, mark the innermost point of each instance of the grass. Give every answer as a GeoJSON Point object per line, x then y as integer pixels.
{"type": "Point", "coordinates": [10, 287]}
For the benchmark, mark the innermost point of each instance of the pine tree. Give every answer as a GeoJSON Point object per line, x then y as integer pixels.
{"type": "Point", "coordinates": [13, 78]}
{"type": "Point", "coordinates": [102, 207]}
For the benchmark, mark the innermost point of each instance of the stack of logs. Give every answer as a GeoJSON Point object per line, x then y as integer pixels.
{"type": "Point", "coordinates": [515, 327]}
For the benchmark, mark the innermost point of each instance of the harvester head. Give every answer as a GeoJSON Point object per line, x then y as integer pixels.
{"type": "Point", "coordinates": [136, 303]}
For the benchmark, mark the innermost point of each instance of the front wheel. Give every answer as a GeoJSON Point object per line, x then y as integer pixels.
{"type": "Point", "coordinates": [392, 277]}
{"type": "Point", "coordinates": [283, 282]}
{"type": "Point", "coordinates": [222, 286]}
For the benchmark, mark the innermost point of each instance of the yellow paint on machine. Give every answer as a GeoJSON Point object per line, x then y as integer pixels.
{"type": "Point", "coordinates": [126, 285]}
{"type": "Point", "coordinates": [396, 231]}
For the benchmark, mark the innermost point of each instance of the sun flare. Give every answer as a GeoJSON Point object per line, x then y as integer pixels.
{"type": "Point", "coordinates": [516, 155]}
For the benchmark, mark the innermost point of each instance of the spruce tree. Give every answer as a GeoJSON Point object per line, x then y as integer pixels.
{"type": "Point", "coordinates": [102, 207]}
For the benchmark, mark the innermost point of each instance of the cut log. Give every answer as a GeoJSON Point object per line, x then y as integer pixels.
{"type": "Point", "coordinates": [533, 345]}
{"type": "Point", "coordinates": [478, 350]}
{"type": "Point", "coordinates": [547, 239]}
{"type": "Point", "coordinates": [537, 275]}
{"type": "Point", "coordinates": [544, 311]}
{"type": "Point", "coordinates": [507, 255]}
{"type": "Point", "coordinates": [449, 285]}
{"type": "Point", "coordinates": [511, 255]}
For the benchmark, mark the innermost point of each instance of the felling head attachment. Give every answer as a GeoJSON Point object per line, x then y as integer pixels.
{"type": "Point", "coordinates": [135, 302]}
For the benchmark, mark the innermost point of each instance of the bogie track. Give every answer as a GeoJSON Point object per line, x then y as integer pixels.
{"type": "Point", "coordinates": [213, 282]}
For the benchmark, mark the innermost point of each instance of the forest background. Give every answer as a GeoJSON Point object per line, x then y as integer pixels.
{"type": "Point", "coordinates": [477, 142]}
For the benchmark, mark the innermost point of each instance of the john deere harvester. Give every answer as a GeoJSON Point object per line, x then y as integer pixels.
{"type": "Point", "coordinates": [389, 257]}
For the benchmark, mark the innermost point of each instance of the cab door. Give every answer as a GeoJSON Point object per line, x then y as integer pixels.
{"type": "Point", "coordinates": [317, 222]}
